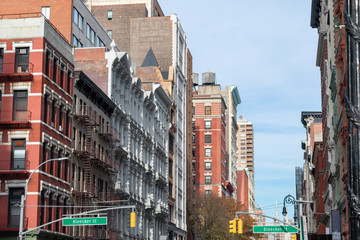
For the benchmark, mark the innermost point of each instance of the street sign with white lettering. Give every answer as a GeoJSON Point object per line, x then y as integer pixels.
{"type": "Point", "coordinates": [84, 221]}
{"type": "Point", "coordinates": [275, 229]}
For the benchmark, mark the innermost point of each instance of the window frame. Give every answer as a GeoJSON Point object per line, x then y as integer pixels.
{"type": "Point", "coordinates": [19, 109]}
{"type": "Point", "coordinates": [13, 206]}
{"type": "Point", "coordinates": [207, 152]}
{"type": "Point", "coordinates": [1, 60]}
{"type": "Point", "coordinates": [207, 138]}
{"type": "Point", "coordinates": [22, 60]}
{"type": "Point", "coordinates": [207, 179]}
{"type": "Point", "coordinates": [207, 110]}
{"type": "Point", "coordinates": [208, 166]}
{"type": "Point", "coordinates": [110, 33]}
{"type": "Point", "coordinates": [15, 160]}
{"type": "Point", "coordinates": [109, 15]}
{"type": "Point", "coordinates": [207, 124]}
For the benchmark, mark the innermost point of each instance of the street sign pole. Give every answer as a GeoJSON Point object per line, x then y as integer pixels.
{"type": "Point", "coordinates": [303, 229]}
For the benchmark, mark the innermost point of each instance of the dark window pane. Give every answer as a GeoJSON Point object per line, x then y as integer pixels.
{"type": "Point", "coordinates": [14, 206]}
{"type": "Point", "coordinates": [1, 59]}
{"type": "Point", "coordinates": [207, 138]}
{"type": "Point", "coordinates": [22, 60]}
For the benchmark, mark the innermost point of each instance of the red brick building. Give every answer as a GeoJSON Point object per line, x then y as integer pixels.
{"type": "Point", "coordinates": [242, 183]}
{"type": "Point", "coordinates": [209, 148]}
{"type": "Point", "coordinates": [36, 67]}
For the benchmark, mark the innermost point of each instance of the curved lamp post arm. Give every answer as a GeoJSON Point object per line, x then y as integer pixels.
{"type": "Point", "coordinates": [49, 160]}
{"type": "Point", "coordinates": [289, 199]}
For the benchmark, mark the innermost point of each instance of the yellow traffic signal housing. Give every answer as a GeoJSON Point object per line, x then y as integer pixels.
{"type": "Point", "coordinates": [293, 237]}
{"type": "Point", "coordinates": [133, 219]}
{"type": "Point", "coordinates": [240, 225]}
{"type": "Point", "coordinates": [232, 226]}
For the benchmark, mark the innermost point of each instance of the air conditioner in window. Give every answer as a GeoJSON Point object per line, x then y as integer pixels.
{"type": "Point", "coordinates": [60, 128]}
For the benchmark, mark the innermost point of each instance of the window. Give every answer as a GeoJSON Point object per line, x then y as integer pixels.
{"type": "Point", "coordinates": [14, 206]}
{"type": "Point", "coordinates": [207, 192]}
{"type": "Point", "coordinates": [76, 16]}
{"type": "Point", "coordinates": [18, 155]}
{"type": "Point", "coordinates": [46, 12]}
{"type": "Point", "coordinates": [193, 125]}
{"type": "Point", "coordinates": [76, 42]}
{"type": "Point", "coordinates": [109, 32]}
{"type": "Point", "coordinates": [67, 117]}
{"type": "Point", "coordinates": [207, 110]}
{"type": "Point", "coordinates": [109, 14]}
{"type": "Point", "coordinates": [20, 105]}
{"type": "Point", "coordinates": [193, 139]}
{"type": "Point", "coordinates": [62, 76]}
{"type": "Point", "coordinates": [207, 138]}
{"type": "Point", "coordinates": [0, 103]}
{"type": "Point", "coordinates": [46, 97]}
{"type": "Point", "coordinates": [53, 113]}
{"type": "Point", "coordinates": [47, 63]}
{"type": "Point", "coordinates": [193, 152]}
{"type": "Point", "coordinates": [1, 59]}
{"type": "Point", "coordinates": [193, 110]}
{"type": "Point", "coordinates": [207, 166]}
{"type": "Point", "coordinates": [52, 156]}
{"type": "Point", "coordinates": [171, 143]}
{"type": "Point", "coordinates": [243, 148]}
{"type": "Point", "coordinates": [90, 34]}
{"type": "Point", "coordinates": [66, 169]}
{"type": "Point", "coordinates": [170, 167]}
{"type": "Point", "coordinates": [42, 202]}
{"type": "Point", "coordinates": [78, 19]}
{"type": "Point", "coordinates": [22, 60]}
{"type": "Point", "coordinates": [100, 188]}
{"type": "Point", "coordinates": [207, 152]}
{"type": "Point", "coordinates": [170, 189]}
{"type": "Point", "coordinates": [55, 67]}
{"type": "Point", "coordinates": [68, 86]}
{"type": "Point", "coordinates": [44, 155]}
{"type": "Point", "coordinates": [208, 124]}
{"type": "Point", "coordinates": [98, 42]}
{"type": "Point", "coordinates": [207, 179]}
{"type": "Point", "coordinates": [59, 164]}
{"type": "Point", "coordinates": [50, 209]}
{"type": "Point", "coordinates": [61, 118]}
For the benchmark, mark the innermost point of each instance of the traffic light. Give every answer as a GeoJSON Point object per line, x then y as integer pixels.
{"type": "Point", "coordinates": [133, 219]}
{"type": "Point", "coordinates": [232, 226]}
{"type": "Point", "coordinates": [240, 225]}
{"type": "Point", "coordinates": [293, 237]}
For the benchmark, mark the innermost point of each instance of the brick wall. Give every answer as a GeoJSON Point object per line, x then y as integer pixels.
{"type": "Point", "coordinates": [120, 23]}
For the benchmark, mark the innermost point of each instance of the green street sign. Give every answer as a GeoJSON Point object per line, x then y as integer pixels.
{"type": "Point", "coordinates": [274, 229]}
{"type": "Point", "coordinates": [84, 221]}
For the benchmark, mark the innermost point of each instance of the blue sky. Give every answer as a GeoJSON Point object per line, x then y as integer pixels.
{"type": "Point", "coordinates": [268, 50]}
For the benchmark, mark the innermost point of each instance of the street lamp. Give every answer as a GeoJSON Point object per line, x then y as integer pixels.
{"type": "Point", "coordinates": [289, 199]}
{"type": "Point", "coordinates": [23, 197]}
